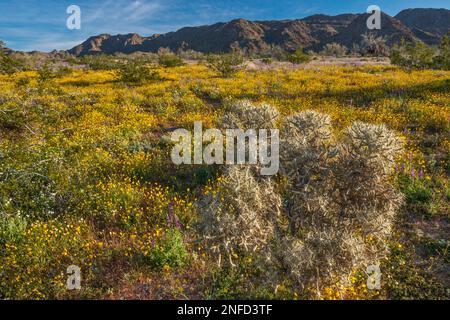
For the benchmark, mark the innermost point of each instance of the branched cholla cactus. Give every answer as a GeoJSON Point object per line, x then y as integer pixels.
{"type": "Point", "coordinates": [241, 216]}
{"type": "Point", "coordinates": [340, 202]}
{"type": "Point", "coordinates": [306, 152]}
{"type": "Point", "coordinates": [244, 115]}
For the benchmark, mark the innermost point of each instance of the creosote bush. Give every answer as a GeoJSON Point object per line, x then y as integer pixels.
{"type": "Point", "coordinates": [169, 60]}
{"type": "Point", "coordinates": [226, 64]}
{"type": "Point", "coordinates": [136, 72]}
{"type": "Point", "coordinates": [298, 57]}
{"type": "Point", "coordinates": [417, 55]}
{"type": "Point", "coordinates": [335, 213]}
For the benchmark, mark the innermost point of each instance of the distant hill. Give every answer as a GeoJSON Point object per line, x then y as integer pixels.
{"type": "Point", "coordinates": [391, 29]}
{"type": "Point", "coordinates": [429, 25]}
{"type": "Point", "coordinates": [311, 32]}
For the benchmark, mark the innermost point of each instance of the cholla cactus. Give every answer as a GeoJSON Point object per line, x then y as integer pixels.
{"type": "Point", "coordinates": [305, 153]}
{"type": "Point", "coordinates": [244, 115]}
{"type": "Point", "coordinates": [242, 215]}
{"type": "Point", "coordinates": [340, 200]}
{"type": "Point", "coordinates": [342, 203]}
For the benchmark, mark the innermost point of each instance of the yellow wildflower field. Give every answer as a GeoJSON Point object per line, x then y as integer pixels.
{"type": "Point", "coordinates": [86, 179]}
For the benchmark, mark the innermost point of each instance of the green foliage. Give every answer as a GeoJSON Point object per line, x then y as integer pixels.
{"type": "Point", "coordinates": [403, 279]}
{"type": "Point", "coordinates": [136, 72]}
{"type": "Point", "coordinates": [267, 60]}
{"type": "Point", "coordinates": [442, 60]}
{"type": "Point", "coordinates": [8, 65]}
{"type": "Point", "coordinates": [298, 56]}
{"type": "Point", "coordinates": [412, 55]}
{"type": "Point", "coordinates": [101, 62]}
{"type": "Point", "coordinates": [169, 60]}
{"type": "Point", "coordinates": [415, 190]}
{"type": "Point", "coordinates": [22, 82]}
{"type": "Point", "coordinates": [169, 252]}
{"type": "Point", "coordinates": [421, 196]}
{"type": "Point", "coordinates": [225, 64]}
{"type": "Point", "coordinates": [46, 74]}
{"type": "Point", "coordinates": [12, 229]}
{"type": "Point", "coordinates": [417, 55]}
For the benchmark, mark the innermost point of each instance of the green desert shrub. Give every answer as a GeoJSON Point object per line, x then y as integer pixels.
{"type": "Point", "coordinates": [298, 57]}
{"type": "Point", "coordinates": [417, 55]}
{"type": "Point", "coordinates": [169, 252]}
{"type": "Point", "coordinates": [46, 73]}
{"type": "Point", "coordinates": [8, 64]}
{"type": "Point", "coordinates": [225, 64]}
{"type": "Point", "coordinates": [412, 55]}
{"type": "Point", "coordinates": [100, 62]}
{"type": "Point", "coordinates": [169, 60]}
{"type": "Point", "coordinates": [442, 59]}
{"type": "Point", "coordinates": [337, 207]}
{"type": "Point", "coordinates": [136, 72]}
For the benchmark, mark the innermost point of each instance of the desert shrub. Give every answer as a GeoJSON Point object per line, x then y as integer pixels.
{"type": "Point", "coordinates": [298, 56]}
{"type": "Point", "coordinates": [417, 55]}
{"type": "Point", "coordinates": [12, 228]}
{"type": "Point", "coordinates": [189, 54]}
{"type": "Point", "coordinates": [442, 59]}
{"type": "Point", "coordinates": [274, 52]}
{"type": "Point", "coordinates": [356, 49]}
{"type": "Point", "coordinates": [334, 49]}
{"type": "Point", "coordinates": [267, 60]}
{"type": "Point", "coordinates": [168, 252]}
{"type": "Point", "coordinates": [412, 55]}
{"type": "Point", "coordinates": [100, 62]}
{"type": "Point", "coordinates": [372, 45]}
{"type": "Point", "coordinates": [169, 60]}
{"type": "Point", "coordinates": [136, 72]}
{"type": "Point", "coordinates": [340, 202]}
{"type": "Point", "coordinates": [225, 64]}
{"type": "Point", "coordinates": [45, 74]}
{"type": "Point", "coordinates": [8, 65]}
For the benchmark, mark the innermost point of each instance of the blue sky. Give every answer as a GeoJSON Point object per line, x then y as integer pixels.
{"type": "Point", "coordinates": [41, 24]}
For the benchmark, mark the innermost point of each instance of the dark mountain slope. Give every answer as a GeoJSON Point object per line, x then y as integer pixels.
{"type": "Point", "coordinates": [311, 32]}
